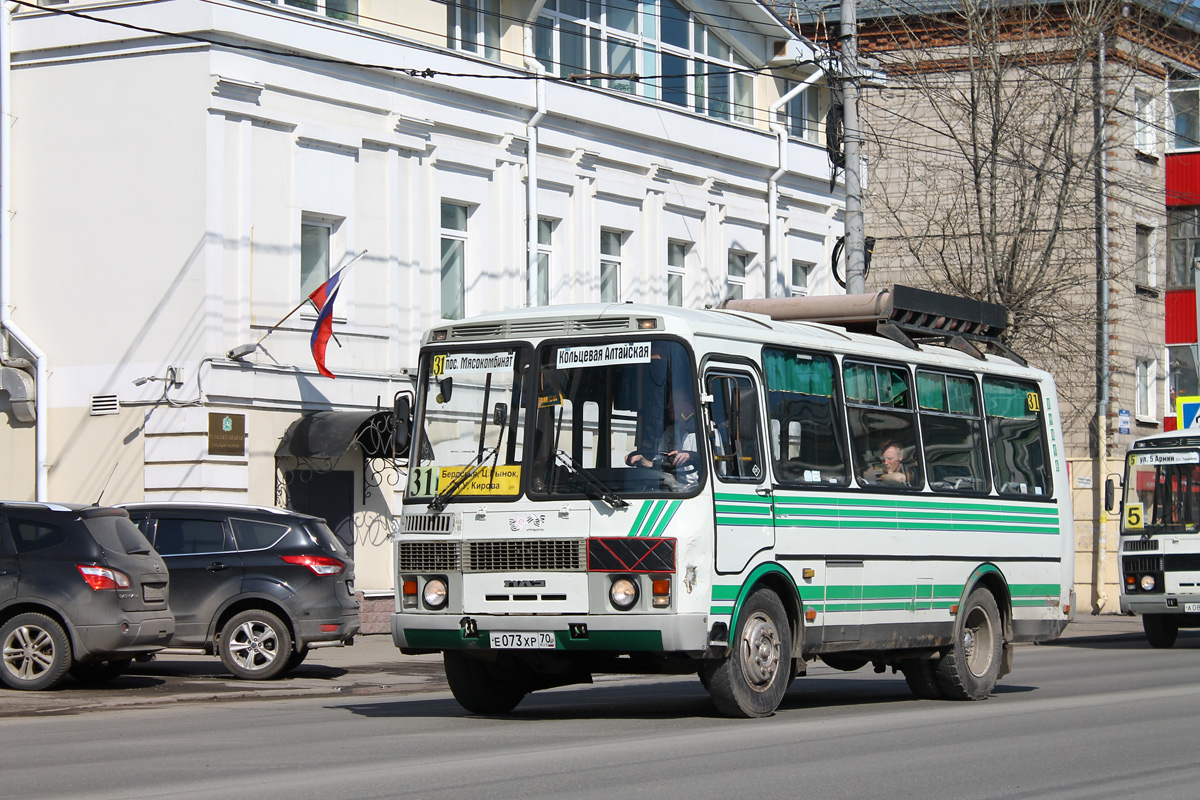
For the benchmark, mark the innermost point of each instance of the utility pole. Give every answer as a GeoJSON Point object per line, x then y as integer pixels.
{"type": "Point", "coordinates": [855, 242]}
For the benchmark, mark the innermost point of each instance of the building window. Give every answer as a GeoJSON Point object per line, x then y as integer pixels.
{"type": "Point", "coordinates": [1144, 256]}
{"type": "Point", "coordinates": [676, 272]}
{"type": "Point", "coordinates": [1184, 99]}
{"type": "Point", "coordinates": [1147, 386]}
{"type": "Point", "coordinates": [693, 66]}
{"type": "Point", "coordinates": [334, 9]}
{"type": "Point", "coordinates": [610, 266]}
{"type": "Point", "coordinates": [1145, 139]}
{"type": "Point", "coordinates": [545, 251]}
{"type": "Point", "coordinates": [1183, 246]}
{"type": "Point", "coordinates": [802, 114]}
{"type": "Point", "coordinates": [801, 272]}
{"type": "Point", "coordinates": [474, 26]}
{"type": "Point", "coordinates": [454, 260]}
{"type": "Point", "coordinates": [314, 255]}
{"type": "Point", "coordinates": [737, 274]}
{"type": "Point", "coordinates": [1182, 378]}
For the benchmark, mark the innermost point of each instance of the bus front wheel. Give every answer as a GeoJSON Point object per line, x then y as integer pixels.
{"type": "Point", "coordinates": [485, 687]}
{"type": "Point", "coordinates": [970, 670]}
{"type": "Point", "coordinates": [1161, 630]}
{"type": "Point", "coordinates": [751, 680]}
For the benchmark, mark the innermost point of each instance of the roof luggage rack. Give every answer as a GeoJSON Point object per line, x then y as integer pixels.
{"type": "Point", "coordinates": [902, 313]}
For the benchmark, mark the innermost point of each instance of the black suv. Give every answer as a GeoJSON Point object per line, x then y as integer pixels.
{"type": "Point", "coordinates": [258, 586]}
{"type": "Point", "coordinates": [81, 590]}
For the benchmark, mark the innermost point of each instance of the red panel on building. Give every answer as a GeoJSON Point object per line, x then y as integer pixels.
{"type": "Point", "coordinates": [1183, 180]}
{"type": "Point", "coordinates": [1181, 316]}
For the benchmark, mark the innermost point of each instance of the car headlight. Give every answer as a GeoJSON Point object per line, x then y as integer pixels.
{"type": "Point", "coordinates": [1147, 583]}
{"type": "Point", "coordinates": [623, 593]}
{"type": "Point", "coordinates": [435, 593]}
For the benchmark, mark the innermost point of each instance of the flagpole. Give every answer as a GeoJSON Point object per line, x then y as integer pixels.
{"type": "Point", "coordinates": [300, 305]}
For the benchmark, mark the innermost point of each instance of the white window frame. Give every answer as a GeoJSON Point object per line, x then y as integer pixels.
{"type": "Point", "coordinates": [327, 8]}
{"type": "Point", "coordinates": [794, 288]}
{"type": "Point", "coordinates": [473, 26]}
{"type": "Point", "coordinates": [545, 260]}
{"type": "Point", "coordinates": [1183, 98]}
{"type": "Point", "coordinates": [1145, 264]}
{"type": "Point", "coordinates": [706, 53]}
{"type": "Point", "coordinates": [611, 263]}
{"type": "Point", "coordinates": [1147, 390]}
{"type": "Point", "coordinates": [802, 114]}
{"type": "Point", "coordinates": [312, 277]}
{"type": "Point", "coordinates": [1146, 122]}
{"type": "Point", "coordinates": [677, 253]}
{"type": "Point", "coordinates": [455, 237]}
{"type": "Point", "coordinates": [736, 284]}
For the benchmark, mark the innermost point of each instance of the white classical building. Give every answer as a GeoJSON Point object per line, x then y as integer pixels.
{"type": "Point", "coordinates": [180, 174]}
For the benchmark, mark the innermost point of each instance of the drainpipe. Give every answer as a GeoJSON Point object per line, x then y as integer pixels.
{"type": "Point", "coordinates": [42, 476]}
{"type": "Point", "coordinates": [773, 182]}
{"type": "Point", "coordinates": [531, 132]}
{"type": "Point", "coordinates": [1103, 400]}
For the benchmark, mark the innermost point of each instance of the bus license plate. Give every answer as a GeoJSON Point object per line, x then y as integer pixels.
{"type": "Point", "coordinates": [1191, 608]}
{"type": "Point", "coordinates": [541, 640]}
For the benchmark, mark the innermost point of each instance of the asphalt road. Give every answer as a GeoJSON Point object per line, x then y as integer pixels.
{"type": "Point", "coordinates": [1093, 716]}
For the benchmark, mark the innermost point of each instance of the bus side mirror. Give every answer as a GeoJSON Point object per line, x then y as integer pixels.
{"type": "Point", "coordinates": [1110, 495]}
{"type": "Point", "coordinates": [402, 411]}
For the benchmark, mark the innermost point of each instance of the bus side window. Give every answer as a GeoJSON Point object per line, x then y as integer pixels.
{"type": "Point", "coordinates": [882, 425]}
{"type": "Point", "coordinates": [808, 441]}
{"type": "Point", "coordinates": [736, 454]}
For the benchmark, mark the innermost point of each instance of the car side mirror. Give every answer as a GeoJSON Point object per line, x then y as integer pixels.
{"type": "Point", "coordinates": [1110, 495]}
{"type": "Point", "coordinates": [402, 411]}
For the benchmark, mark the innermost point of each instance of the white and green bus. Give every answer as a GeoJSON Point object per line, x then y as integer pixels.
{"type": "Point", "coordinates": [733, 494]}
{"type": "Point", "coordinates": [1160, 534]}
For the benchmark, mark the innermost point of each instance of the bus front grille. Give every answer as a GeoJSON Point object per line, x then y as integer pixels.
{"type": "Point", "coordinates": [427, 523]}
{"type": "Point", "coordinates": [1135, 545]}
{"type": "Point", "coordinates": [1139, 564]}
{"type": "Point", "coordinates": [429, 557]}
{"type": "Point", "coordinates": [525, 555]}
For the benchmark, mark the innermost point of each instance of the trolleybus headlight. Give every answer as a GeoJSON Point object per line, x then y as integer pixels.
{"type": "Point", "coordinates": [435, 593]}
{"type": "Point", "coordinates": [1147, 583]}
{"type": "Point", "coordinates": [623, 593]}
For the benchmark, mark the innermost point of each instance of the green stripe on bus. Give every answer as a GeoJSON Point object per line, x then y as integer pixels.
{"type": "Point", "coordinates": [725, 592]}
{"type": "Point", "coordinates": [637, 522]}
{"type": "Point", "coordinates": [655, 514]}
{"type": "Point", "coordinates": [749, 497]}
{"type": "Point", "coordinates": [672, 507]}
{"type": "Point", "coordinates": [916, 503]}
{"type": "Point", "coordinates": [734, 509]}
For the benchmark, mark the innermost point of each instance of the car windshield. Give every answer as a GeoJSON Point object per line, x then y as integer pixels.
{"type": "Point", "coordinates": [470, 416]}
{"type": "Point", "coordinates": [1162, 491]}
{"type": "Point", "coordinates": [615, 418]}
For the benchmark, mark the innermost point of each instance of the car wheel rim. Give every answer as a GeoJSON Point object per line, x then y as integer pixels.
{"type": "Point", "coordinates": [760, 651]}
{"type": "Point", "coordinates": [977, 642]}
{"type": "Point", "coordinates": [254, 646]}
{"type": "Point", "coordinates": [28, 652]}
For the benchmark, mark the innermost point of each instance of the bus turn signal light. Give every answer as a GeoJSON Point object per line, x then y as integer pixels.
{"type": "Point", "coordinates": [662, 592]}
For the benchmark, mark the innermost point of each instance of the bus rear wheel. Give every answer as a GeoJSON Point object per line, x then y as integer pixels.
{"type": "Point", "coordinates": [1161, 630]}
{"type": "Point", "coordinates": [970, 670]}
{"type": "Point", "coordinates": [486, 687]}
{"type": "Point", "coordinates": [921, 676]}
{"type": "Point", "coordinates": [751, 680]}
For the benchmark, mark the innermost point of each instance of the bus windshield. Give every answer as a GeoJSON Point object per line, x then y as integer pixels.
{"type": "Point", "coordinates": [1162, 491]}
{"type": "Point", "coordinates": [616, 416]}
{"type": "Point", "coordinates": [472, 418]}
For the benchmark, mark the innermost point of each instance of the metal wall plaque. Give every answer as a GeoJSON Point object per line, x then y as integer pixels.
{"type": "Point", "coordinates": [226, 434]}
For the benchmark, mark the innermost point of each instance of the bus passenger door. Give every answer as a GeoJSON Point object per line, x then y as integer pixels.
{"type": "Point", "coordinates": [741, 487]}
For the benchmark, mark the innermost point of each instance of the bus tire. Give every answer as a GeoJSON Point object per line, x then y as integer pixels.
{"type": "Point", "coordinates": [970, 670]}
{"type": "Point", "coordinates": [485, 687]}
{"type": "Point", "coordinates": [751, 680]}
{"type": "Point", "coordinates": [921, 676]}
{"type": "Point", "coordinates": [1161, 630]}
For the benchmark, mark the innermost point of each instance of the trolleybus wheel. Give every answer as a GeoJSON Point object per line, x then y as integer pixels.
{"type": "Point", "coordinates": [969, 671]}
{"type": "Point", "coordinates": [751, 680]}
{"type": "Point", "coordinates": [1161, 630]}
{"type": "Point", "coordinates": [485, 687]}
{"type": "Point", "coordinates": [921, 676]}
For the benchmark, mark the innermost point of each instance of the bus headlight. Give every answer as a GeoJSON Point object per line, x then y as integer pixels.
{"type": "Point", "coordinates": [1147, 583]}
{"type": "Point", "coordinates": [623, 593]}
{"type": "Point", "coordinates": [435, 593]}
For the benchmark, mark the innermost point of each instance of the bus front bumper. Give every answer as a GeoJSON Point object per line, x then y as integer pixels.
{"type": "Point", "coordinates": [1160, 604]}
{"type": "Point", "coordinates": [687, 633]}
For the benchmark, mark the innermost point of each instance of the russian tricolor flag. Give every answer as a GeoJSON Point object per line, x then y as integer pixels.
{"type": "Point", "coordinates": [323, 299]}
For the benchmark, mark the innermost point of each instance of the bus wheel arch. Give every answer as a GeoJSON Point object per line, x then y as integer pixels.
{"type": "Point", "coordinates": [776, 578]}
{"type": "Point", "coordinates": [970, 668]}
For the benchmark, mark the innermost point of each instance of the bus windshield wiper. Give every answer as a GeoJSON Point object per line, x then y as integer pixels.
{"type": "Point", "coordinates": [477, 463]}
{"type": "Point", "coordinates": [592, 482]}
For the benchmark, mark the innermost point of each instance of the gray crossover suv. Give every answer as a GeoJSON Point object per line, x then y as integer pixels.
{"type": "Point", "coordinates": [257, 586]}
{"type": "Point", "coordinates": [81, 591]}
